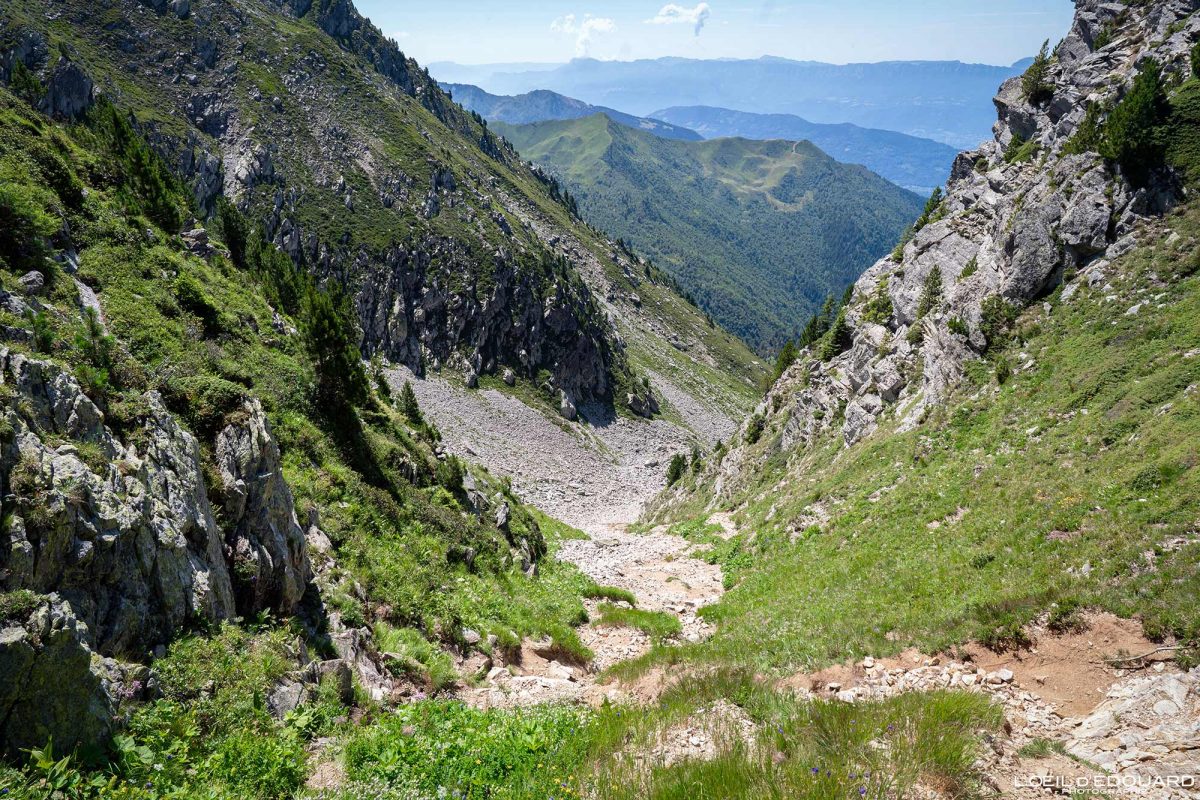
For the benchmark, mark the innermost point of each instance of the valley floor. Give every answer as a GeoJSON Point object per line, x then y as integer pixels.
{"type": "Point", "coordinates": [1100, 709]}
{"type": "Point", "coordinates": [593, 474]}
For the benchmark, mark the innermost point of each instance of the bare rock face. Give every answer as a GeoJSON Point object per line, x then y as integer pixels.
{"type": "Point", "coordinates": [47, 685]}
{"type": "Point", "coordinates": [270, 566]}
{"type": "Point", "coordinates": [69, 91]}
{"type": "Point", "coordinates": [125, 535]}
{"type": "Point", "coordinates": [413, 309]}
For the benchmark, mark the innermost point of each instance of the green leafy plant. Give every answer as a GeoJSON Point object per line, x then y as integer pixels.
{"type": "Point", "coordinates": [333, 348]}
{"type": "Point", "coordinates": [148, 185]}
{"type": "Point", "coordinates": [754, 428]}
{"type": "Point", "coordinates": [409, 406]}
{"type": "Point", "coordinates": [24, 83]}
{"type": "Point", "coordinates": [658, 625]}
{"type": "Point", "coordinates": [1087, 135]}
{"type": "Point", "coordinates": [614, 593]}
{"type": "Point", "coordinates": [878, 309]}
{"type": "Point", "coordinates": [996, 316]}
{"type": "Point", "coordinates": [837, 339]}
{"type": "Point", "coordinates": [1019, 150]}
{"type": "Point", "coordinates": [411, 653]}
{"type": "Point", "coordinates": [27, 218]}
{"type": "Point", "coordinates": [42, 330]}
{"type": "Point", "coordinates": [931, 292]}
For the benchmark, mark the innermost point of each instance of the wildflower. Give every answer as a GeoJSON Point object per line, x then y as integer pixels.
{"type": "Point", "coordinates": [862, 791]}
{"type": "Point", "coordinates": [816, 770]}
{"type": "Point", "coordinates": [891, 728]}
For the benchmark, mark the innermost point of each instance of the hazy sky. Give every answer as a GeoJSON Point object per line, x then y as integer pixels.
{"type": "Point", "coordinates": [995, 32]}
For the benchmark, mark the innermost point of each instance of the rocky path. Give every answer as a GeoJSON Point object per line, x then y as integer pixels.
{"type": "Point", "coordinates": [596, 475]}
{"type": "Point", "coordinates": [658, 569]}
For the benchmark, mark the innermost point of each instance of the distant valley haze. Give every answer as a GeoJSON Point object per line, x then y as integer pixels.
{"type": "Point", "coordinates": [925, 69]}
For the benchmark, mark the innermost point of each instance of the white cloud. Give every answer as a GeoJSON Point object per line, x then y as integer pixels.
{"type": "Point", "coordinates": [583, 29]}
{"type": "Point", "coordinates": [674, 14]}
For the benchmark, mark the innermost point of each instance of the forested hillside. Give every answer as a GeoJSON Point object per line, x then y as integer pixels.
{"type": "Point", "coordinates": [917, 164]}
{"type": "Point", "coordinates": [759, 233]}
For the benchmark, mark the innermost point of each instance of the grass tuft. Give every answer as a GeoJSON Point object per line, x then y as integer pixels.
{"type": "Point", "coordinates": [658, 625]}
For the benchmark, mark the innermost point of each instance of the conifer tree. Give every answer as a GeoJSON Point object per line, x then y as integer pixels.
{"type": "Point", "coordinates": [328, 337]}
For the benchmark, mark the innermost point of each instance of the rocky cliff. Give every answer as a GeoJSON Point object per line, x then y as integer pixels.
{"type": "Point", "coordinates": [1021, 214]}
{"type": "Point", "coordinates": [116, 547]}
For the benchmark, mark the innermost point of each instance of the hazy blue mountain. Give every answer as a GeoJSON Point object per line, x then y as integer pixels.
{"type": "Point", "coordinates": [759, 233]}
{"type": "Point", "coordinates": [542, 105]}
{"type": "Point", "coordinates": [948, 101]}
{"type": "Point", "coordinates": [450, 72]}
{"type": "Point", "coordinates": [909, 161]}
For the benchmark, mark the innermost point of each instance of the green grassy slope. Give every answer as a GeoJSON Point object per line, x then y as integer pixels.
{"type": "Point", "coordinates": [1063, 475]}
{"type": "Point", "coordinates": [758, 232]}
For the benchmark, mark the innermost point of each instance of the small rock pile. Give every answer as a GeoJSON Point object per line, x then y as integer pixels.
{"type": "Point", "coordinates": [1149, 726]}
{"type": "Point", "coordinates": [1036, 717]}
{"type": "Point", "coordinates": [702, 736]}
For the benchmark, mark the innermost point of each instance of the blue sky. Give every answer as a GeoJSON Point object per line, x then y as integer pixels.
{"type": "Point", "coordinates": [472, 32]}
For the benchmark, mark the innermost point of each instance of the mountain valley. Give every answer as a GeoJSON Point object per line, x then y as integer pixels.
{"type": "Point", "coordinates": [356, 443]}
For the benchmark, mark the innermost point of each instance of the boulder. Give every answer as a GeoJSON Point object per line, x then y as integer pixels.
{"type": "Point", "coordinates": [270, 556]}
{"type": "Point", "coordinates": [566, 406]}
{"type": "Point", "coordinates": [33, 282]}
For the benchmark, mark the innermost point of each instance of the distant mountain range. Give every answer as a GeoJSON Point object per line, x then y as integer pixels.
{"type": "Point", "coordinates": [947, 101]}
{"type": "Point", "coordinates": [542, 105]}
{"type": "Point", "coordinates": [759, 232]}
{"type": "Point", "coordinates": [909, 161]}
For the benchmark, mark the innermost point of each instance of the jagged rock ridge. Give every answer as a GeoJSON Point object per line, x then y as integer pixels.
{"type": "Point", "coordinates": [1007, 232]}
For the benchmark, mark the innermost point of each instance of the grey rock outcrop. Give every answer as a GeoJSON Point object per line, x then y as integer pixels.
{"type": "Point", "coordinates": [414, 310]}
{"type": "Point", "coordinates": [270, 566]}
{"type": "Point", "coordinates": [126, 537]}
{"type": "Point", "coordinates": [124, 541]}
{"type": "Point", "coordinates": [47, 684]}
{"type": "Point", "coordinates": [69, 91]}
